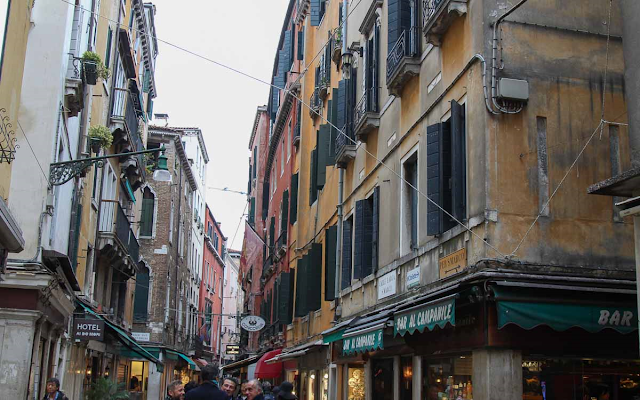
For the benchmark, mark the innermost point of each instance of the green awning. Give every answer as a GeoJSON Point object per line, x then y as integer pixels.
{"type": "Point", "coordinates": [125, 339]}
{"type": "Point", "coordinates": [129, 190]}
{"type": "Point", "coordinates": [334, 336]}
{"type": "Point", "coordinates": [363, 341]}
{"type": "Point", "coordinates": [189, 361]}
{"type": "Point", "coordinates": [425, 316]}
{"type": "Point", "coordinates": [529, 313]}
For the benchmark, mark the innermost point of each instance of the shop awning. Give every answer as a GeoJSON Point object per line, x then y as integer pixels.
{"type": "Point", "coordinates": [189, 361]}
{"type": "Point", "coordinates": [200, 362]}
{"type": "Point", "coordinates": [438, 312]}
{"type": "Point", "coordinates": [295, 352]}
{"type": "Point", "coordinates": [334, 334]}
{"type": "Point", "coordinates": [529, 309]}
{"type": "Point", "coordinates": [266, 370]}
{"type": "Point", "coordinates": [125, 339]}
{"type": "Point", "coordinates": [363, 339]}
{"type": "Point", "coordinates": [241, 363]}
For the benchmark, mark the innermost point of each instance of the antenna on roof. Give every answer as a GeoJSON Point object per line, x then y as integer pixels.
{"type": "Point", "coordinates": [164, 117]}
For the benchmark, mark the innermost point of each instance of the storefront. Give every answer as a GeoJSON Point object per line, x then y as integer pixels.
{"type": "Point", "coordinates": [242, 369]}
{"type": "Point", "coordinates": [307, 368]}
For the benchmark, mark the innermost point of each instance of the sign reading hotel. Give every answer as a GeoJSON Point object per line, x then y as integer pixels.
{"type": "Point", "coordinates": [453, 263]}
{"type": "Point", "coordinates": [428, 316]}
{"type": "Point", "coordinates": [362, 343]}
{"type": "Point", "coordinates": [88, 329]}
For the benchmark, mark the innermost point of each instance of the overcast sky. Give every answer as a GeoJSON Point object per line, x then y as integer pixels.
{"type": "Point", "coordinates": [195, 92]}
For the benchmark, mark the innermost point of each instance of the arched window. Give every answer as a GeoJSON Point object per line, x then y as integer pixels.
{"type": "Point", "coordinates": [141, 301]}
{"type": "Point", "coordinates": [146, 220]}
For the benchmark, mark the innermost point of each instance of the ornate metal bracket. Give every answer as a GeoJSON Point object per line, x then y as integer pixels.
{"type": "Point", "coordinates": [8, 140]}
{"type": "Point", "coordinates": [62, 172]}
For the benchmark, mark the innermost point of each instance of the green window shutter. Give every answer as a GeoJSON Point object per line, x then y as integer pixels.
{"type": "Point", "coordinates": [293, 209]}
{"type": "Point", "coordinates": [434, 179]}
{"type": "Point", "coordinates": [331, 237]}
{"type": "Point", "coordinates": [285, 212]}
{"type": "Point", "coordinates": [252, 211]}
{"type": "Point", "coordinates": [313, 185]}
{"type": "Point", "coordinates": [265, 200]}
{"type": "Point", "coordinates": [359, 240]}
{"type": "Point", "coordinates": [458, 161]}
{"type": "Point", "coordinates": [367, 238]}
{"type": "Point", "coordinates": [314, 278]}
{"type": "Point", "coordinates": [146, 220]}
{"type": "Point", "coordinates": [146, 84]}
{"type": "Point", "coordinates": [286, 49]}
{"type": "Point", "coordinates": [323, 140]}
{"type": "Point", "coordinates": [346, 254]}
{"type": "Point", "coordinates": [272, 233]}
{"type": "Point", "coordinates": [285, 298]}
{"type": "Point", "coordinates": [301, 44]}
{"type": "Point", "coordinates": [149, 108]}
{"type": "Point", "coordinates": [255, 160]}
{"type": "Point", "coordinates": [342, 105]}
{"type": "Point", "coordinates": [333, 118]}
{"type": "Point", "coordinates": [140, 302]}
{"type": "Point", "coordinates": [375, 237]}
{"type": "Point", "coordinates": [107, 56]}
{"type": "Point", "coordinates": [301, 288]}
{"type": "Point", "coordinates": [315, 12]}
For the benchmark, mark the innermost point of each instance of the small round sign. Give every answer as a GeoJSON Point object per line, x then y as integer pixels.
{"type": "Point", "coordinates": [252, 323]}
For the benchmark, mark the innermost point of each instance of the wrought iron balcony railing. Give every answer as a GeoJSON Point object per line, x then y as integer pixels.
{"type": "Point", "coordinates": [124, 109]}
{"type": "Point", "coordinates": [315, 103]}
{"type": "Point", "coordinates": [114, 220]}
{"type": "Point", "coordinates": [367, 104]}
{"type": "Point", "coordinates": [407, 45]}
{"type": "Point", "coordinates": [429, 8]}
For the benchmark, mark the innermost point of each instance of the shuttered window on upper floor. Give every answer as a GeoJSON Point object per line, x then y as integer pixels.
{"type": "Point", "coordinates": [252, 211]}
{"type": "Point", "coordinates": [399, 20]}
{"type": "Point", "coordinates": [301, 44]}
{"type": "Point", "coordinates": [446, 171]}
{"type": "Point", "coordinates": [293, 211]}
{"type": "Point", "coordinates": [347, 240]}
{"type": "Point", "coordinates": [313, 177]}
{"type": "Point", "coordinates": [301, 308]}
{"type": "Point", "coordinates": [330, 244]}
{"type": "Point", "coordinates": [318, 8]}
{"type": "Point", "coordinates": [314, 279]}
{"type": "Point", "coordinates": [284, 213]}
{"type": "Point", "coordinates": [323, 141]}
{"type": "Point", "coordinates": [365, 241]}
{"type": "Point", "coordinates": [285, 297]}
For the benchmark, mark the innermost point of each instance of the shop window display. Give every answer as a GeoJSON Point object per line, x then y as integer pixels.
{"type": "Point", "coordinates": [448, 379]}
{"type": "Point", "coordinates": [356, 383]}
{"type": "Point", "coordinates": [574, 379]}
{"type": "Point", "coordinates": [382, 371]}
{"type": "Point", "coordinates": [324, 387]}
{"type": "Point", "coordinates": [313, 385]}
{"type": "Point", "coordinates": [138, 380]}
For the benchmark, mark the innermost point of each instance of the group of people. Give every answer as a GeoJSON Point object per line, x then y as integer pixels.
{"type": "Point", "coordinates": [210, 389]}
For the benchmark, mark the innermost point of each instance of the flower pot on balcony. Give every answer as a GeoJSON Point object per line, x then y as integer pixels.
{"type": "Point", "coordinates": [95, 145]}
{"type": "Point", "coordinates": [90, 72]}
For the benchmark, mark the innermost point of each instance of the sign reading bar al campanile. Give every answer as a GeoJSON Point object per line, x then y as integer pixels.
{"type": "Point", "coordinates": [88, 329]}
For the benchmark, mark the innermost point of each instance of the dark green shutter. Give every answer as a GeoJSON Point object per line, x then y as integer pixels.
{"type": "Point", "coordinates": [314, 278]}
{"type": "Point", "coordinates": [301, 44]}
{"type": "Point", "coordinates": [146, 220]}
{"type": "Point", "coordinates": [313, 185]}
{"type": "Point", "coordinates": [342, 104]}
{"type": "Point", "coordinates": [458, 161]}
{"type": "Point", "coordinates": [376, 66]}
{"type": "Point", "coordinates": [375, 236]}
{"type": "Point", "coordinates": [346, 254]}
{"type": "Point", "coordinates": [434, 180]}
{"type": "Point", "coordinates": [147, 81]}
{"type": "Point", "coordinates": [272, 233]}
{"type": "Point", "coordinates": [285, 300]}
{"type": "Point", "coordinates": [107, 56]}
{"type": "Point", "coordinates": [324, 143]}
{"type": "Point", "coordinates": [340, 14]}
{"type": "Point", "coordinates": [399, 20]}
{"type": "Point", "coordinates": [333, 118]}
{"type": "Point", "coordinates": [149, 108]}
{"type": "Point", "coordinates": [265, 200]}
{"type": "Point", "coordinates": [367, 233]}
{"type": "Point", "coordinates": [301, 288]}
{"type": "Point", "coordinates": [315, 13]}
{"type": "Point", "coordinates": [331, 238]}
{"type": "Point", "coordinates": [293, 212]}
{"type": "Point", "coordinates": [255, 161]}
{"type": "Point", "coordinates": [358, 240]}
{"type": "Point", "coordinates": [140, 303]}
{"type": "Point", "coordinates": [252, 211]}
{"type": "Point", "coordinates": [285, 212]}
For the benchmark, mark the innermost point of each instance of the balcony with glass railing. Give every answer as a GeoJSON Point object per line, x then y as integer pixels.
{"type": "Point", "coordinates": [116, 239]}
{"type": "Point", "coordinates": [437, 17]}
{"type": "Point", "coordinates": [403, 61]}
{"type": "Point", "coordinates": [367, 117]}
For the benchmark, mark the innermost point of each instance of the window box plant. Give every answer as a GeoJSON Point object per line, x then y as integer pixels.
{"type": "Point", "coordinates": [100, 137]}
{"type": "Point", "coordinates": [93, 68]}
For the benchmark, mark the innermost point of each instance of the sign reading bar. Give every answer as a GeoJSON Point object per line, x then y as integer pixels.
{"type": "Point", "coordinates": [362, 343]}
{"type": "Point", "coordinates": [88, 329]}
{"type": "Point", "coordinates": [233, 349]}
{"type": "Point", "coordinates": [429, 316]}
{"type": "Point", "coordinates": [453, 263]}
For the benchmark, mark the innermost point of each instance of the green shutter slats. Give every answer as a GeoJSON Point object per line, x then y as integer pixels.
{"type": "Point", "coordinates": [252, 211]}
{"type": "Point", "coordinates": [265, 200]}
{"type": "Point", "coordinates": [293, 209]}
{"type": "Point", "coordinates": [301, 288]}
{"type": "Point", "coordinates": [313, 184]}
{"type": "Point", "coordinates": [346, 254]}
{"type": "Point", "coordinates": [359, 240]}
{"type": "Point", "coordinates": [301, 44]}
{"type": "Point", "coordinates": [314, 278]}
{"type": "Point", "coordinates": [272, 233]}
{"type": "Point", "coordinates": [375, 65]}
{"type": "Point", "coordinates": [314, 13]}
{"type": "Point", "coordinates": [375, 235]}
{"type": "Point", "coordinates": [284, 304]}
{"type": "Point", "coordinates": [333, 118]}
{"type": "Point", "coordinates": [141, 300]}
{"type": "Point", "coordinates": [434, 179]}
{"type": "Point", "coordinates": [255, 160]}
{"type": "Point", "coordinates": [146, 220]}
{"type": "Point", "coordinates": [324, 159]}
{"type": "Point", "coordinates": [331, 238]}
{"type": "Point", "coordinates": [147, 81]}
{"type": "Point", "coordinates": [149, 108]}
{"type": "Point", "coordinates": [458, 161]}
{"type": "Point", "coordinates": [342, 105]}
{"type": "Point", "coordinates": [285, 212]}
{"type": "Point", "coordinates": [107, 56]}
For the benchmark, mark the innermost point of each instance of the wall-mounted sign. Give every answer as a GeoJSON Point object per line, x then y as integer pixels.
{"type": "Point", "coordinates": [88, 329]}
{"type": "Point", "coordinates": [453, 263]}
{"type": "Point", "coordinates": [387, 285]}
{"type": "Point", "coordinates": [369, 341]}
{"type": "Point", "coordinates": [233, 349]}
{"type": "Point", "coordinates": [413, 277]}
{"type": "Point", "coordinates": [141, 336]}
{"type": "Point", "coordinates": [252, 323]}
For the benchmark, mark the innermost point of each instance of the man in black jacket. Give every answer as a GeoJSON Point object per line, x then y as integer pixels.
{"type": "Point", "coordinates": [209, 389]}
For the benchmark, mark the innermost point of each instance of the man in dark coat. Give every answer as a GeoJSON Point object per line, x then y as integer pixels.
{"type": "Point", "coordinates": [53, 390]}
{"type": "Point", "coordinates": [286, 392]}
{"type": "Point", "coordinates": [209, 389]}
{"type": "Point", "coordinates": [254, 390]}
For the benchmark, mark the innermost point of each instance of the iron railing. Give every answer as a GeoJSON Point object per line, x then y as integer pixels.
{"type": "Point", "coordinates": [407, 45]}
{"type": "Point", "coordinates": [114, 220]}
{"type": "Point", "coordinates": [368, 103]}
{"type": "Point", "coordinates": [429, 8]}
{"type": "Point", "coordinates": [124, 109]}
{"type": "Point", "coordinates": [315, 103]}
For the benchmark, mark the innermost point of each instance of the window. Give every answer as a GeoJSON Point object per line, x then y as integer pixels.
{"type": "Point", "coordinates": [446, 166]}
{"type": "Point", "coordinates": [148, 209]}
{"type": "Point", "coordinates": [5, 7]}
{"type": "Point", "coordinates": [141, 301]}
{"type": "Point", "coordinates": [282, 158]}
{"type": "Point", "coordinates": [107, 56]}
{"type": "Point", "coordinates": [289, 141]}
{"type": "Point", "coordinates": [214, 282]}
{"type": "Point", "coordinates": [347, 245]}
{"type": "Point", "coordinates": [220, 291]}
{"type": "Point", "coordinates": [409, 203]}
{"type": "Point", "coordinates": [365, 247]}
{"type": "Point", "coordinates": [318, 8]}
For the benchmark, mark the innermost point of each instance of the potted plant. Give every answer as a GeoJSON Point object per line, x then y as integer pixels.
{"type": "Point", "coordinates": [100, 137]}
{"type": "Point", "coordinates": [106, 389]}
{"type": "Point", "coordinates": [93, 68]}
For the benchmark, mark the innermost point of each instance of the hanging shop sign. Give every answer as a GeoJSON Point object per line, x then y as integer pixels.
{"type": "Point", "coordinates": [369, 341]}
{"type": "Point", "coordinates": [428, 316]}
{"type": "Point", "coordinates": [453, 263]}
{"type": "Point", "coordinates": [387, 285]}
{"type": "Point", "coordinates": [88, 329]}
{"type": "Point", "coordinates": [233, 350]}
{"type": "Point", "coordinates": [252, 323]}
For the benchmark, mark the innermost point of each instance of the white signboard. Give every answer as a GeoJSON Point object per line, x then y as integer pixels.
{"type": "Point", "coordinates": [252, 323]}
{"type": "Point", "coordinates": [413, 277]}
{"type": "Point", "coordinates": [141, 336]}
{"type": "Point", "coordinates": [387, 285]}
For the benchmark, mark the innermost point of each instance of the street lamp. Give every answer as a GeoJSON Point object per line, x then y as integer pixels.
{"type": "Point", "coordinates": [347, 62]}
{"type": "Point", "coordinates": [62, 172]}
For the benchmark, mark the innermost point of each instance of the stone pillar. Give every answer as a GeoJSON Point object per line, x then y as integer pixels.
{"type": "Point", "coordinates": [497, 374]}
{"type": "Point", "coordinates": [396, 377]}
{"type": "Point", "coordinates": [368, 382]}
{"type": "Point", "coordinates": [416, 378]}
{"type": "Point", "coordinates": [631, 47]}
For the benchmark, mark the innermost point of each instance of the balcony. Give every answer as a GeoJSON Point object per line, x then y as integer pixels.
{"type": "Point", "coordinates": [73, 89]}
{"type": "Point", "coordinates": [367, 117]}
{"type": "Point", "coordinates": [336, 51]}
{"type": "Point", "coordinates": [124, 111]}
{"type": "Point", "coordinates": [315, 104]}
{"type": "Point", "coordinates": [116, 239]}
{"type": "Point", "coordinates": [345, 148]}
{"type": "Point", "coordinates": [438, 15]}
{"type": "Point", "coordinates": [403, 61]}
{"type": "Point", "coordinates": [281, 247]}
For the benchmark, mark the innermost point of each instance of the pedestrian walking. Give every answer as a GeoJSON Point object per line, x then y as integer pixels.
{"type": "Point", "coordinates": [53, 390]}
{"type": "Point", "coordinates": [266, 391]}
{"type": "Point", "coordinates": [175, 391]}
{"type": "Point", "coordinates": [209, 389]}
{"type": "Point", "coordinates": [230, 386]}
{"type": "Point", "coordinates": [286, 392]}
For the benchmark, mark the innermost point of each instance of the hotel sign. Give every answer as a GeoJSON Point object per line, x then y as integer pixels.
{"type": "Point", "coordinates": [88, 329]}
{"type": "Point", "coordinates": [428, 316]}
{"type": "Point", "coordinates": [369, 341]}
{"type": "Point", "coordinates": [453, 263]}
